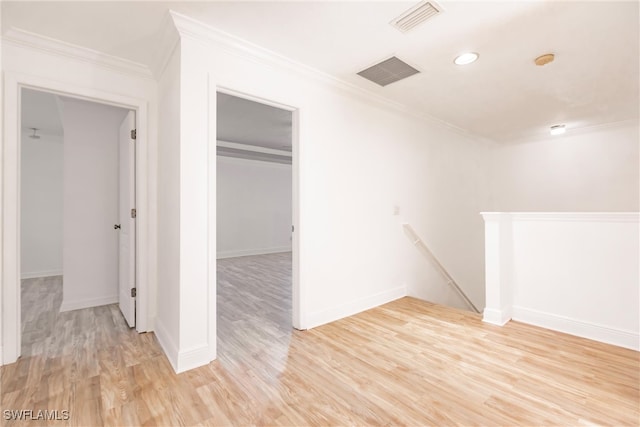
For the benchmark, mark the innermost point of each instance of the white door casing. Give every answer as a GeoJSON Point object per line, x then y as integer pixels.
{"type": "Point", "coordinates": [127, 222]}
{"type": "Point", "coordinates": [10, 194]}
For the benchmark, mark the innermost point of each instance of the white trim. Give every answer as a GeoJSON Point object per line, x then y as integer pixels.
{"type": "Point", "coordinates": [212, 229]}
{"type": "Point", "coordinates": [169, 40]}
{"type": "Point", "coordinates": [564, 216]}
{"type": "Point", "coordinates": [298, 293]}
{"type": "Point", "coordinates": [87, 303]}
{"type": "Point", "coordinates": [199, 31]}
{"type": "Point", "coordinates": [184, 360]}
{"type": "Point", "coordinates": [580, 328]}
{"type": "Point", "coordinates": [542, 134]}
{"type": "Point", "coordinates": [13, 82]}
{"type": "Point", "coordinates": [253, 148]}
{"type": "Point", "coordinates": [56, 47]}
{"type": "Point", "coordinates": [11, 334]}
{"type": "Point", "coordinates": [250, 252]}
{"type": "Point", "coordinates": [193, 358]}
{"type": "Point", "coordinates": [38, 274]}
{"type": "Point", "coordinates": [168, 346]}
{"type": "Point", "coordinates": [349, 309]}
{"type": "Point", "coordinates": [263, 163]}
{"type": "Point", "coordinates": [496, 317]}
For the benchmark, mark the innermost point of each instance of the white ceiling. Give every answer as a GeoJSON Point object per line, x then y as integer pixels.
{"type": "Point", "coordinates": [503, 96]}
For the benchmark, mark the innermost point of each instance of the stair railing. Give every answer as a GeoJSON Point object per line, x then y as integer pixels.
{"type": "Point", "coordinates": [422, 247]}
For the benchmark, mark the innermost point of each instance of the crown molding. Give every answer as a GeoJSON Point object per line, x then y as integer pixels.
{"type": "Point", "coordinates": [572, 132]}
{"type": "Point", "coordinates": [253, 148]}
{"type": "Point", "coordinates": [52, 46]}
{"type": "Point", "coordinates": [168, 41]}
{"type": "Point", "coordinates": [633, 217]}
{"type": "Point", "coordinates": [196, 30]}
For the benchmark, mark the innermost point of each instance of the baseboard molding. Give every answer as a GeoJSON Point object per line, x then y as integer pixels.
{"type": "Point", "coordinates": [168, 346]}
{"type": "Point", "coordinates": [87, 303]}
{"type": "Point", "coordinates": [249, 252]}
{"type": "Point", "coordinates": [496, 317]}
{"type": "Point", "coordinates": [1, 356]}
{"type": "Point", "coordinates": [354, 307]}
{"type": "Point", "coordinates": [193, 358]}
{"type": "Point", "coordinates": [38, 274]}
{"type": "Point", "coordinates": [184, 360]}
{"type": "Point", "coordinates": [580, 328]}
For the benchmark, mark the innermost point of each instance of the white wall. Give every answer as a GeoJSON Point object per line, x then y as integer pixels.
{"type": "Point", "coordinates": [253, 207]}
{"type": "Point", "coordinates": [168, 297]}
{"type": "Point", "coordinates": [357, 158]}
{"type": "Point", "coordinates": [574, 272]}
{"type": "Point", "coordinates": [444, 187]}
{"type": "Point", "coordinates": [595, 170]}
{"type": "Point", "coordinates": [90, 243]}
{"type": "Point", "coordinates": [41, 190]}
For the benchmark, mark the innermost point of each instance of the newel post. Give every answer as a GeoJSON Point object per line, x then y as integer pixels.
{"type": "Point", "coordinates": [498, 267]}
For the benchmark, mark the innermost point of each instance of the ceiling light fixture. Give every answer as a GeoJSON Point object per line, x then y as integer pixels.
{"type": "Point", "coordinates": [557, 129]}
{"type": "Point", "coordinates": [466, 58]}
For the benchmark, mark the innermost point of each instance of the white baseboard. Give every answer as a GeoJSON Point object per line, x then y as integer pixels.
{"type": "Point", "coordinates": [87, 303]}
{"type": "Point", "coordinates": [193, 358]}
{"type": "Point", "coordinates": [168, 346]}
{"type": "Point", "coordinates": [37, 274]}
{"type": "Point", "coordinates": [249, 252]}
{"type": "Point", "coordinates": [354, 307]}
{"type": "Point", "coordinates": [496, 317]}
{"type": "Point", "coordinates": [180, 360]}
{"type": "Point", "coordinates": [580, 328]}
{"type": "Point", "coordinates": [1, 356]}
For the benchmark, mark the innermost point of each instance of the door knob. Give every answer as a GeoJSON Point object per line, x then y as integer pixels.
{"type": "Point", "coordinates": [116, 227]}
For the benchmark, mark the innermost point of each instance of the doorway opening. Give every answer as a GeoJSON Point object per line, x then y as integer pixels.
{"type": "Point", "coordinates": [256, 212]}
{"type": "Point", "coordinates": [77, 231]}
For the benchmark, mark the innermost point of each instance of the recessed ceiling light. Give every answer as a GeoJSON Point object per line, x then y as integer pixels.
{"type": "Point", "coordinates": [466, 58]}
{"type": "Point", "coordinates": [557, 129]}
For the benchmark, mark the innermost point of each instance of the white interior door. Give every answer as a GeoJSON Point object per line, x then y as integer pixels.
{"type": "Point", "coordinates": [127, 239]}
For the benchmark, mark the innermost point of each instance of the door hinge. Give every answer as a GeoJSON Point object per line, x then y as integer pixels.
{"type": "Point", "coordinates": [134, 292]}
{"type": "Point", "coordinates": [134, 133]}
{"type": "Point", "coordinates": [133, 213]}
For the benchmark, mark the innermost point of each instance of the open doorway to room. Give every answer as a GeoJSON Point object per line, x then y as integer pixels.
{"type": "Point", "coordinates": [77, 227]}
{"type": "Point", "coordinates": [256, 248]}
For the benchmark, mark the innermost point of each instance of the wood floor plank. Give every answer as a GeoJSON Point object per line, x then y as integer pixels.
{"type": "Point", "coordinates": [408, 362]}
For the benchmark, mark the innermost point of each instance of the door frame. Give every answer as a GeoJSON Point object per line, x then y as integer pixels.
{"type": "Point", "coordinates": [298, 306]}
{"type": "Point", "coordinates": [10, 248]}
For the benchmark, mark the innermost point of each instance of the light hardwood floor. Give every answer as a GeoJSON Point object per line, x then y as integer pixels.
{"type": "Point", "coordinates": [41, 299]}
{"type": "Point", "coordinates": [254, 307]}
{"type": "Point", "coordinates": [408, 362]}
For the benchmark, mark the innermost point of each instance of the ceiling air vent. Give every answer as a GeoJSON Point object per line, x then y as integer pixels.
{"type": "Point", "coordinates": [416, 15]}
{"type": "Point", "coordinates": [388, 71]}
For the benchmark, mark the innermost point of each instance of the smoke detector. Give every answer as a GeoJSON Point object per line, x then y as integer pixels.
{"type": "Point", "coordinates": [544, 59]}
{"type": "Point", "coordinates": [416, 16]}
